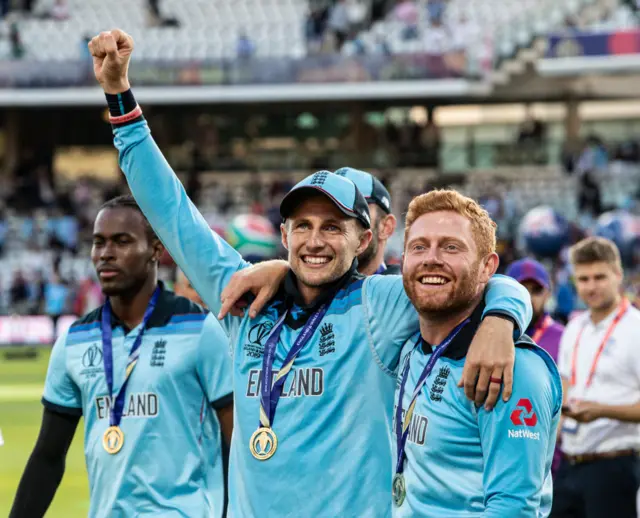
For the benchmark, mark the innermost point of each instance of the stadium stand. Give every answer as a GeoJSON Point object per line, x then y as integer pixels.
{"type": "Point", "coordinates": [199, 30]}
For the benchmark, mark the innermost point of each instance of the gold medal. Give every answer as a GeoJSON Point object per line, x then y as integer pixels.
{"type": "Point", "coordinates": [263, 443]}
{"type": "Point", "coordinates": [398, 489]}
{"type": "Point", "coordinates": [113, 440]}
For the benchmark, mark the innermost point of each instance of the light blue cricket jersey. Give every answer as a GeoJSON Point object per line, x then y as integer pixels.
{"type": "Point", "coordinates": [463, 462]}
{"type": "Point", "coordinates": [171, 461]}
{"type": "Point", "coordinates": [332, 422]}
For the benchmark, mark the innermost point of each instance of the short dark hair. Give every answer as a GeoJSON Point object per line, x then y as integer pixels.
{"type": "Point", "coordinates": [126, 201]}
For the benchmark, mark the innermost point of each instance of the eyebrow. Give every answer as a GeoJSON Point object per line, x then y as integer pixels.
{"type": "Point", "coordinates": [439, 239]}
{"type": "Point", "coordinates": [332, 221]}
{"type": "Point", "coordinates": [595, 276]}
{"type": "Point", "coordinates": [113, 236]}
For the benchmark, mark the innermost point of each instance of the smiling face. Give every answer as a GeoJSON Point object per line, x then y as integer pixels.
{"type": "Point", "coordinates": [322, 241]}
{"type": "Point", "coordinates": [443, 271]}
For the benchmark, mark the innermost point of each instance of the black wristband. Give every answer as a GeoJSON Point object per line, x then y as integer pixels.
{"type": "Point", "coordinates": [503, 316]}
{"type": "Point", "coordinates": [121, 104]}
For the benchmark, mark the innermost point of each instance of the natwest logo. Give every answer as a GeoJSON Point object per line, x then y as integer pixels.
{"type": "Point", "coordinates": [524, 415]}
{"type": "Point", "coordinates": [524, 434]}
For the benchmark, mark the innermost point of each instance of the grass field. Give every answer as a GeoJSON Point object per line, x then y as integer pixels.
{"type": "Point", "coordinates": [21, 383]}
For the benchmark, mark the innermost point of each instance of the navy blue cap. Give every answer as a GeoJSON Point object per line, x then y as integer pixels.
{"type": "Point", "coordinates": [529, 270]}
{"type": "Point", "coordinates": [342, 192]}
{"type": "Point", "coordinates": [369, 186]}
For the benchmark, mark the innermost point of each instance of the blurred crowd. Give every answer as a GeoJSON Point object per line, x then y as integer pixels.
{"type": "Point", "coordinates": [45, 228]}
{"type": "Point", "coordinates": [344, 25]}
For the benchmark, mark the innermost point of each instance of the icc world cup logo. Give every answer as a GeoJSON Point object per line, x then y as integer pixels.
{"type": "Point", "coordinates": [92, 357]}
{"type": "Point", "coordinates": [263, 443]}
{"type": "Point", "coordinates": [259, 332]}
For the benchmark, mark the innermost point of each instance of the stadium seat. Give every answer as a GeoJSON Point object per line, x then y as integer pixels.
{"type": "Point", "coordinates": [512, 23]}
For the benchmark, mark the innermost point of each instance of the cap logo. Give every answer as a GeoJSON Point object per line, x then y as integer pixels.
{"type": "Point", "coordinates": [366, 216]}
{"type": "Point", "coordinates": [319, 178]}
{"type": "Point", "coordinates": [385, 201]}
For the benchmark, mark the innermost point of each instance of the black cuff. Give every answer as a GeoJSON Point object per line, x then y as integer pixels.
{"type": "Point", "coordinates": [121, 104]}
{"type": "Point", "coordinates": [222, 402]}
{"type": "Point", "coordinates": [58, 409]}
{"type": "Point", "coordinates": [504, 316]}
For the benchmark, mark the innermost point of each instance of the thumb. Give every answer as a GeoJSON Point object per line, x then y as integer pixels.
{"type": "Point", "coordinates": [110, 46]}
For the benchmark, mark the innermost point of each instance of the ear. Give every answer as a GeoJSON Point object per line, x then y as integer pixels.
{"type": "Point", "coordinates": [402, 264]}
{"type": "Point", "coordinates": [489, 266]}
{"type": "Point", "coordinates": [283, 236]}
{"type": "Point", "coordinates": [158, 250]}
{"type": "Point", "coordinates": [365, 239]}
{"type": "Point", "coordinates": [387, 226]}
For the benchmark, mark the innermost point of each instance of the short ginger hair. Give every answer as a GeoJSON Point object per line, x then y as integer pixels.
{"type": "Point", "coordinates": [482, 226]}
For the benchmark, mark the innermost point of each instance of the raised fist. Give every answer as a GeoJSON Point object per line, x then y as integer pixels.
{"type": "Point", "coordinates": [111, 52]}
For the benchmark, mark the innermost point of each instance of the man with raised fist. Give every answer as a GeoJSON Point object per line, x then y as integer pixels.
{"type": "Point", "coordinates": [329, 339]}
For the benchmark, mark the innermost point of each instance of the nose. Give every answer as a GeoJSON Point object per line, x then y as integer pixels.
{"type": "Point", "coordinates": [432, 256]}
{"type": "Point", "coordinates": [315, 241]}
{"type": "Point", "coordinates": [107, 252]}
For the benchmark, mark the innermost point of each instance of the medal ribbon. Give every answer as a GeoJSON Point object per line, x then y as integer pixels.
{"type": "Point", "coordinates": [115, 413]}
{"type": "Point", "coordinates": [270, 393]}
{"type": "Point", "coordinates": [546, 323]}
{"type": "Point", "coordinates": [624, 305]}
{"type": "Point", "coordinates": [402, 427]}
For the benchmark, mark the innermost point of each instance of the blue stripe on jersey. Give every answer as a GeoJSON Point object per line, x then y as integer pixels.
{"type": "Point", "coordinates": [175, 330]}
{"type": "Point", "coordinates": [84, 327]}
{"type": "Point", "coordinates": [185, 327]}
{"type": "Point", "coordinates": [188, 317]}
{"type": "Point", "coordinates": [184, 323]}
{"type": "Point", "coordinates": [354, 286]}
{"type": "Point", "coordinates": [340, 306]}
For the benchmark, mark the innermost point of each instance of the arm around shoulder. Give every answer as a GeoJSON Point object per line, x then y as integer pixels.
{"type": "Point", "coordinates": [390, 319]}
{"type": "Point", "coordinates": [505, 296]}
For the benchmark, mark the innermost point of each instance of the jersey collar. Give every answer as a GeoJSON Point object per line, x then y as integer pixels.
{"type": "Point", "coordinates": [161, 314]}
{"type": "Point", "coordinates": [459, 346]}
{"type": "Point", "coordinates": [296, 318]}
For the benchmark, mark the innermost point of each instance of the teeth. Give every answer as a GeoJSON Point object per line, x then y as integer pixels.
{"type": "Point", "coordinates": [316, 260]}
{"type": "Point", "coordinates": [433, 280]}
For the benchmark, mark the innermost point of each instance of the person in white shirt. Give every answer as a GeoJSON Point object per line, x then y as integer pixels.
{"type": "Point", "coordinates": [599, 362]}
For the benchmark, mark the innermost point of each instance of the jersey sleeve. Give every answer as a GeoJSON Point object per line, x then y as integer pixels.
{"type": "Point", "coordinates": [61, 394]}
{"type": "Point", "coordinates": [205, 258]}
{"type": "Point", "coordinates": [214, 364]}
{"type": "Point", "coordinates": [391, 320]}
{"type": "Point", "coordinates": [517, 439]}
{"type": "Point", "coordinates": [506, 296]}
